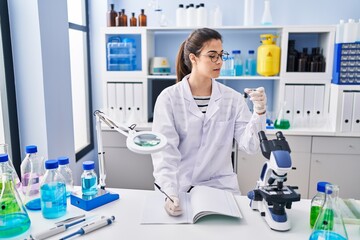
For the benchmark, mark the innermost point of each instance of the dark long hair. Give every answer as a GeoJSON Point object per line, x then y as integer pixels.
{"type": "Point", "coordinates": [193, 44]}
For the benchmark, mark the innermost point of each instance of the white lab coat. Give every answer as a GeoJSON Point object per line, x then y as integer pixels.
{"type": "Point", "coordinates": [199, 145]}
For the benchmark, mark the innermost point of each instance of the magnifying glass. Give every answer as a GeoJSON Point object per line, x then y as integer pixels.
{"type": "Point", "coordinates": [145, 142]}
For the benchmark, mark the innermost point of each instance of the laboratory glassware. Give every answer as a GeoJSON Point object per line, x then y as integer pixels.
{"type": "Point", "coordinates": [4, 149]}
{"type": "Point", "coordinates": [111, 16]}
{"type": "Point", "coordinates": [13, 216]}
{"type": "Point", "coordinates": [238, 63]}
{"type": "Point", "coordinates": [266, 17]}
{"type": "Point", "coordinates": [32, 172]}
{"type": "Point", "coordinates": [133, 20]}
{"type": "Point", "coordinates": [250, 64]}
{"type": "Point", "coordinates": [317, 202]}
{"type": "Point", "coordinates": [329, 224]}
{"type": "Point", "coordinates": [281, 122]}
{"type": "Point", "coordinates": [53, 191]}
{"type": "Point", "coordinates": [89, 179]}
{"type": "Point", "coordinates": [66, 172]}
{"type": "Point", "coordinates": [142, 19]}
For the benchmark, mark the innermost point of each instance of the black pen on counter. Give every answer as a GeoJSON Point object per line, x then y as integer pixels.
{"type": "Point", "coordinates": [158, 187]}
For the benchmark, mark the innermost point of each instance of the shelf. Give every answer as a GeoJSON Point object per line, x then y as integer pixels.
{"type": "Point", "coordinates": [220, 78]}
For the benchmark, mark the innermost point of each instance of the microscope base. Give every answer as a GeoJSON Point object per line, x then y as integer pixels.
{"type": "Point", "coordinates": [88, 203]}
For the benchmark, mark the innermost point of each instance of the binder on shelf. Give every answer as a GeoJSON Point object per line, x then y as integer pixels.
{"type": "Point", "coordinates": [111, 100]}
{"type": "Point", "coordinates": [289, 99]}
{"type": "Point", "coordinates": [319, 96]}
{"type": "Point", "coordinates": [346, 112]}
{"type": "Point", "coordinates": [298, 105]}
{"type": "Point", "coordinates": [309, 91]}
{"type": "Point", "coordinates": [120, 102]}
{"type": "Point", "coordinates": [138, 99]}
{"type": "Point", "coordinates": [129, 102]}
{"type": "Point", "coordinates": [355, 125]}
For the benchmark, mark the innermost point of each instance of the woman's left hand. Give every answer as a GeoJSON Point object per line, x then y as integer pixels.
{"type": "Point", "coordinates": [258, 97]}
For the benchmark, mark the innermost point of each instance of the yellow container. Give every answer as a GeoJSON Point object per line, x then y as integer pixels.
{"type": "Point", "coordinates": [268, 56]}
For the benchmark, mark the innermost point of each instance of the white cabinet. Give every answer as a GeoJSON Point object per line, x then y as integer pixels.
{"type": "Point", "coordinates": [249, 166]}
{"type": "Point", "coordinates": [336, 160]}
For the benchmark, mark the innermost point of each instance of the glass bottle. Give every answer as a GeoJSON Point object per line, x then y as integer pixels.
{"type": "Point", "coordinates": [266, 17]}
{"type": "Point", "coordinates": [53, 191]}
{"type": "Point", "coordinates": [142, 19]}
{"type": "Point", "coordinates": [66, 172]}
{"type": "Point", "coordinates": [317, 202]}
{"type": "Point", "coordinates": [32, 172]}
{"type": "Point", "coordinates": [111, 15]}
{"type": "Point", "coordinates": [4, 149]}
{"type": "Point", "coordinates": [330, 225]}
{"type": "Point", "coordinates": [123, 19]}
{"type": "Point", "coordinates": [250, 64]}
{"type": "Point", "coordinates": [13, 216]}
{"type": "Point", "coordinates": [89, 179]}
{"type": "Point", "coordinates": [292, 58]}
{"type": "Point", "coordinates": [133, 20]}
{"type": "Point", "coordinates": [238, 63]}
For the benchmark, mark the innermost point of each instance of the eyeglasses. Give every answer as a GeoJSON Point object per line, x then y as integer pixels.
{"type": "Point", "coordinates": [214, 56]}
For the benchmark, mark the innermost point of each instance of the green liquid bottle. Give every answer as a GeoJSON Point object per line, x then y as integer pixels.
{"type": "Point", "coordinates": [317, 202]}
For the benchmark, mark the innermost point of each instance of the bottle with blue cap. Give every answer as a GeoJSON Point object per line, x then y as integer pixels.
{"type": "Point", "coordinates": [53, 192]}
{"type": "Point", "coordinates": [32, 172]}
{"type": "Point", "coordinates": [317, 202]}
{"type": "Point", "coordinates": [65, 170]}
{"type": "Point", "coordinates": [238, 62]}
{"type": "Point", "coordinates": [89, 179]}
{"type": "Point", "coordinates": [14, 219]}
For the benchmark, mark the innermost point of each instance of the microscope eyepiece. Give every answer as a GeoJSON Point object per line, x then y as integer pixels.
{"type": "Point", "coordinates": [280, 136]}
{"type": "Point", "coordinates": [262, 136]}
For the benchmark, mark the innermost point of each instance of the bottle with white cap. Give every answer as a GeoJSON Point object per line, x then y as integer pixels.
{"type": "Point", "coordinates": [340, 31]}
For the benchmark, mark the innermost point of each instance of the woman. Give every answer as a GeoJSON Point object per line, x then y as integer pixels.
{"type": "Point", "coordinates": [200, 118]}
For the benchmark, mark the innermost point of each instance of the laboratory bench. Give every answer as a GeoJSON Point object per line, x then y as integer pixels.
{"type": "Point", "coordinates": [129, 208]}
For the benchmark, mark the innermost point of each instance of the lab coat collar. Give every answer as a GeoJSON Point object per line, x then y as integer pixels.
{"type": "Point", "coordinates": [213, 104]}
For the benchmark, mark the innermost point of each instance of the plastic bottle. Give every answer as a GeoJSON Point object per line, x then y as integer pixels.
{"type": "Point", "coordinates": [201, 16]}
{"type": "Point", "coordinates": [217, 17]}
{"type": "Point", "coordinates": [250, 64]}
{"type": "Point", "coordinates": [66, 172]}
{"type": "Point", "coordinates": [133, 20]}
{"type": "Point", "coordinates": [89, 179]}
{"type": "Point", "coordinates": [13, 216]}
{"type": "Point", "coordinates": [238, 63]}
{"type": "Point", "coordinates": [111, 16]}
{"type": "Point", "coordinates": [317, 202]}
{"type": "Point", "coordinates": [190, 15]}
{"type": "Point", "coordinates": [340, 31]}
{"type": "Point", "coordinates": [32, 173]}
{"type": "Point", "coordinates": [266, 17]}
{"type": "Point", "coordinates": [268, 56]}
{"type": "Point", "coordinates": [53, 191]}
{"type": "Point", "coordinates": [181, 16]}
{"type": "Point", "coordinates": [249, 12]}
{"type": "Point", "coordinates": [350, 31]}
{"type": "Point", "coordinates": [142, 19]}
{"type": "Point", "coordinates": [330, 224]}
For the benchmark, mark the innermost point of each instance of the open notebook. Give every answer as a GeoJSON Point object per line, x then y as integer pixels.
{"type": "Point", "coordinates": [200, 202]}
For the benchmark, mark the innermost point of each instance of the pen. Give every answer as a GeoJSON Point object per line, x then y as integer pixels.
{"type": "Point", "coordinates": [55, 230]}
{"type": "Point", "coordinates": [158, 187]}
{"type": "Point", "coordinates": [91, 227]}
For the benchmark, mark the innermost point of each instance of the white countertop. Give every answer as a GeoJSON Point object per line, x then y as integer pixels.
{"type": "Point", "coordinates": [128, 213]}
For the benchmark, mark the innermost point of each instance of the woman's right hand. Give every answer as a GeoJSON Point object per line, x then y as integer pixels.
{"type": "Point", "coordinates": [173, 208]}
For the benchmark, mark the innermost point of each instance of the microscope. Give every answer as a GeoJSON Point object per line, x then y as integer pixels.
{"type": "Point", "coordinates": [271, 197]}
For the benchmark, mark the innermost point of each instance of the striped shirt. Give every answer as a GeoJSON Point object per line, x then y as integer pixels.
{"type": "Point", "coordinates": [202, 102]}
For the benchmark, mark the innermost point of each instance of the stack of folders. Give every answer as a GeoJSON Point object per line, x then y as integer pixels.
{"type": "Point", "coordinates": [350, 210]}
{"type": "Point", "coordinates": [125, 102]}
